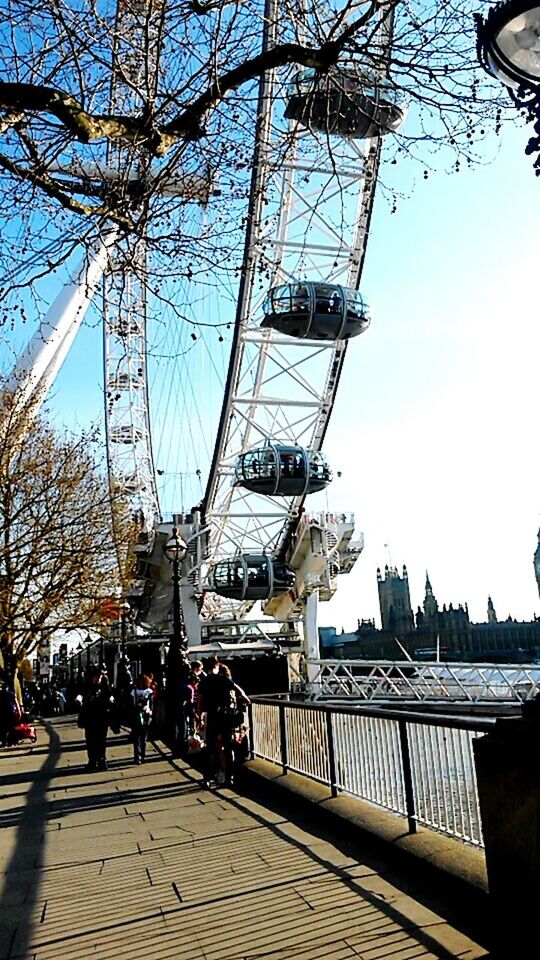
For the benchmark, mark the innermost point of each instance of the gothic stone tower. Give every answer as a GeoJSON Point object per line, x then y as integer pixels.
{"type": "Point", "coordinates": [431, 607]}
{"type": "Point", "coordinates": [394, 600]}
{"type": "Point", "coordinates": [537, 562]}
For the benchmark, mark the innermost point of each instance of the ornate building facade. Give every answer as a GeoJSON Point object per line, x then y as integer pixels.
{"type": "Point", "coordinates": [394, 600]}
{"type": "Point", "coordinates": [447, 631]}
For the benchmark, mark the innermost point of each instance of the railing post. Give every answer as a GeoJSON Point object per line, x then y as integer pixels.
{"type": "Point", "coordinates": [283, 737]}
{"type": "Point", "coordinates": [251, 738]}
{"type": "Point", "coordinates": [407, 775]}
{"type": "Point", "coordinates": [331, 754]}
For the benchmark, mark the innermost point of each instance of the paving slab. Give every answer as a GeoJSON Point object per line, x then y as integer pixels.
{"type": "Point", "coordinates": [141, 862]}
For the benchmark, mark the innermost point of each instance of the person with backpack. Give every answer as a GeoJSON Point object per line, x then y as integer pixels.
{"type": "Point", "coordinates": [143, 698]}
{"type": "Point", "coordinates": [217, 698]}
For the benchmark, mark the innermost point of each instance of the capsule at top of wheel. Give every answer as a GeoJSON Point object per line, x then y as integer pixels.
{"type": "Point", "coordinates": [283, 470]}
{"type": "Point", "coordinates": [250, 577]}
{"type": "Point", "coordinates": [316, 311]}
{"type": "Point", "coordinates": [345, 102]}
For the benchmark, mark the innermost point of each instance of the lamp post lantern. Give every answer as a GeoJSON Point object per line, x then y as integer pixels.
{"type": "Point", "coordinates": [175, 550]}
{"type": "Point", "coordinates": [508, 45]}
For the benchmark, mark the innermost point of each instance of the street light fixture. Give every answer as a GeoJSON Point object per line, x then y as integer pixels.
{"type": "Point", "coordinates": [125, 609]}
{"type": "Point", "coordinates": [175, 550]}
{"type": "Point", "coordinates": [509, 43]}
{"type": "Point", "coordinates": [509, 49]}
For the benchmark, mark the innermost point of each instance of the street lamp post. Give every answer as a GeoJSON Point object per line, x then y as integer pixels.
{"type": "Point", "coordinates": [125, 610]}
{"type": "Point", "coordinates": [175, 550]}
{"type": "Point", "coordinates": [509, 49]}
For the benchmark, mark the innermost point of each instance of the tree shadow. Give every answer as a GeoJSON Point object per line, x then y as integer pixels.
{"type": "Point", "coordinates": [23, 870]}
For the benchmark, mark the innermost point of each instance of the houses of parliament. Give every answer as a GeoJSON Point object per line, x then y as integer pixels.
{"type": "Point", "coordinates": [433, 630]}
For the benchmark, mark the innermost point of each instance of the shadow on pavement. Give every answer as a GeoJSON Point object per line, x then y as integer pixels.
{"type": "Point", "coordinates": [27, 857]}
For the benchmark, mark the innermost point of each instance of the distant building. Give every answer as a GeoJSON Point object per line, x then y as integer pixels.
{"type": "Point", "coordinates": [395, 600]}
{"type": "Point", "coordinates": [431, 607]}
{"type": "Point", "coordinates": [537, 562]}
{"type": "Point", "coordinates": [447, 630]}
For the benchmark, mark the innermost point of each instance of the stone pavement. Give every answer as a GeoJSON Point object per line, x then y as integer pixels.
{"type": "Point", "coordinates": [140, 862]}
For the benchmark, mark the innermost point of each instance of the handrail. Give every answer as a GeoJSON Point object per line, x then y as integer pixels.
{"type": "Point", "coordinates": [415, 764]}
{"type": "Point", "coordinates": [484, 725]}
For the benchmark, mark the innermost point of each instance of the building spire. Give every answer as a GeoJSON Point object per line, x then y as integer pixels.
{"type": "Point", "coordinates": [431, 607]}
{"type": "Point", "coordinates": [491, 613]}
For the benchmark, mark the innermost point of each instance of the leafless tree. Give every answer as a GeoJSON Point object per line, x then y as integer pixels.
{"type": "Point", "coordinates": [135, 112]}
{"type": "Point", "coordinates": [57, 556]}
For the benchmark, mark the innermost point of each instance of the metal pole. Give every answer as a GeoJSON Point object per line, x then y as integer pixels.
{"type": "Point", "coordinates": [407, 775]}
{"type": "Point", "coordinates": [176, 664]}
{"type": "Point", "coordinates": [251, 733]}
{"type": "Point", "coordinates": [123, 633]}
{"type": "Point", "coordinates": [177, 624]}
{"type": "Point", "coordinates": [331, 754]}
{"type": "Point", "coordinates": [283, 737]}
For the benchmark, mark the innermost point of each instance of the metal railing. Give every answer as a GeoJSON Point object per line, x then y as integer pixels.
{"type": "Point", "coordinates": [421, 768]}
{"type": "Point", "coordinates": [413, 680]}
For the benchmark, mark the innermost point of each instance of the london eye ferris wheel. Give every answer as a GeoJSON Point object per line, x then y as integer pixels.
{"type": "Point", "coordinates": [231, 452]}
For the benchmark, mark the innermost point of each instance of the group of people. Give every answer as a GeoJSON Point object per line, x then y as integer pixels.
{"type": "Point", "coordinates": [208, 708]}
{"type": "Point", "coordinates": [102, 707]}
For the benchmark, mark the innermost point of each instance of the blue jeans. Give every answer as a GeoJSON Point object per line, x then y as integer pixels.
{"type": "Point", "coordinates": [140, 735]}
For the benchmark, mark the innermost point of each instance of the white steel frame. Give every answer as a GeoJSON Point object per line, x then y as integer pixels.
{"type": "Point", "coordinates": [127, 416]}
{"type": "Point", "coordinates": [416, 680]}
{"type": "Point", "coordinates": [281, 389]}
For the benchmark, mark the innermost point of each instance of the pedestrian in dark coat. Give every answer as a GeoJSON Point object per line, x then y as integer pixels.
{"type": "Point", "coordinates": [10, 714]}
{"type": "Point", "coordinates": [217, 697]}
{"type": "Point", "coordinates": [94, 717]}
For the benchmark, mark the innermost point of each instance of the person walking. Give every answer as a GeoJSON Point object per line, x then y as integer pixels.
{"type": "Point", "coordinates": [217, 698]}
{"type": "Point", "coordinates": [142, 697]}
{"type": "Point", "coordinates": [239, 729]}
{"type": "Point", "coordinates": [10, 715]}
{"type": "Point", "coordinates": [94, 717]}
{"type": "Point", "coordinates": [123, 690]}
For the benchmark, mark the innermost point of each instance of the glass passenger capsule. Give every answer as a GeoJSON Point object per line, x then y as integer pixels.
{"type": "Point", "coordinates": [345, 102]}
{"type": "Point", "coordinates": [251, 577]}
{"type": "Point", "coordinates": [316, 311]}
{"type": "Point", "coordinates": [283, 470]}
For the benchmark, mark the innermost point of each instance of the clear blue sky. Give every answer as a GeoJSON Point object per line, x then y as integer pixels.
{"type": "Point", "coordinates": [435, 425]}
{"type": "Point", "coordinates": [438, 406]}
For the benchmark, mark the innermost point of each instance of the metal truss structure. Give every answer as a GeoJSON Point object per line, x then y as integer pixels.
{"type": "Point", "coordinates": [127, 416]}
{"type": "Point", "coordinates": [309, 217]}
{"type": "Point", "coordinates": [406, 681]}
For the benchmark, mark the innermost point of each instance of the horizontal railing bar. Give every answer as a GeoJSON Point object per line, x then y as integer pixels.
{"type": "Point", "coordinates": [432, 720]}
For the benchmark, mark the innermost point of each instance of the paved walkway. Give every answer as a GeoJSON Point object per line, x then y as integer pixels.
{"type": "Point", "coordinates": [140, 862]}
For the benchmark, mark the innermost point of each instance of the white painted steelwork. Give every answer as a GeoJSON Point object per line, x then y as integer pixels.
{"type": "Point", "coordinates": [307, 743]}
{"type": "Point", "coordinates": [266, 735]}
{"type": "Point", "coordinates": [368, 760]}
{"type": "Point", "coordinates": [41, 361]}
{"type": "Point", "coordinates": [404, 680]}
{"type": "Point", "coordinates": [366, 753]}
{"type": "Point", "coordinates": [251, 631]}
{"type": "Point", "coordinates": [308, 219]}
{"type": "Point", "coordinates": [127, 416]}
{"type": "Point", "coordinates": [444, 780]}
